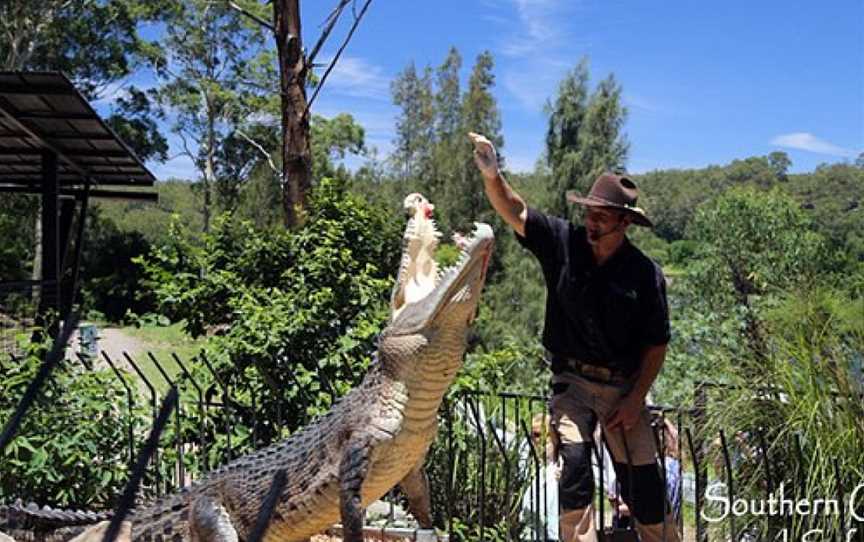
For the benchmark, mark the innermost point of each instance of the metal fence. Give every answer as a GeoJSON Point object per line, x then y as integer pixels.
{"type": "Point", "coordinates": [20, 304]}
{"type": "Point", "coordinates": [489, 467]}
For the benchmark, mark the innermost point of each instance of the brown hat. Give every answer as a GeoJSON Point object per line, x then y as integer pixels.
{"type": "Point", "coordinates": [615, 191]}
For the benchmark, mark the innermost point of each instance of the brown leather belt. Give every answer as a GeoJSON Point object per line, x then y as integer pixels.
{"type": "Point", "coordinates": [596, 373]}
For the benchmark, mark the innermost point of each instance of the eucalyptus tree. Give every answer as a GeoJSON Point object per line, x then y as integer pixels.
{"type": "Point", "coordinates": [210, 53]}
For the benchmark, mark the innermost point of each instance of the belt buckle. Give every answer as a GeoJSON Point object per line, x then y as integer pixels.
{"type": "Point", "coordinates": [600, 373]}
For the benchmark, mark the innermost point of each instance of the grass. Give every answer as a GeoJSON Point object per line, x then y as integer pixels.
{"type": "Point", "coordinates": [162, 341]}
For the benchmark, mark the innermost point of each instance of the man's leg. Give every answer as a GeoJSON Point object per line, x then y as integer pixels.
{"type": "Point", "coordinates": [641, 482]}
{"type": "Point", "coordinates": [574, 424]}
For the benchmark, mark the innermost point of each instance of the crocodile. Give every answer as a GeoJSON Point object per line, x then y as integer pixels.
{"type": "Point", "coordinates": [374, 438]}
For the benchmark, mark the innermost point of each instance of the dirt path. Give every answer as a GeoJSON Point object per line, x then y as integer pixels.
{"type": "Point", "coordinates": [114, 342]}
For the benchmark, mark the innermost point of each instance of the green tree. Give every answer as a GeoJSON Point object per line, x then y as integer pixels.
{"type": "Point", "coordinates": [16, 252]}
{"type": "Point", "coordinates": [83, 460]}
{"type": "Point", "coordinates": [133, 119]}
{"type": "Point", "coordinates": [449, 126]}
{"type": "Point", "coordinates": [780, 163]}
{"type": "Point", "coordinates": [465, 198]}
{"type": "Point", "coordinates": [95, 43]}
{"type": "Point", "coordinates": [209, 49]}
{"type": "Point", "coordinates": [832, 196]}
{"type": "Point", "coordinates": [584, 137]}
{"type": "Point", "coordinates": [415, 128]}
{"type": "Point", "coordinates": [753, 244]}
{"type": "Point", "coordinates": [297, 310]}
{"type": "Point", "coordinates": [333, 139]}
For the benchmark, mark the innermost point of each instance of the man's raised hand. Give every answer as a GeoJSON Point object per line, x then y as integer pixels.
{"type": "Point", "coordinates": [484, 155]}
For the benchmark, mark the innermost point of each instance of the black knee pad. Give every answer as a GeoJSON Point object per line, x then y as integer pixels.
{"type": "Point", "coordinates": [649, 494]}
{"type": "Point", "coordinates": [576, 486]}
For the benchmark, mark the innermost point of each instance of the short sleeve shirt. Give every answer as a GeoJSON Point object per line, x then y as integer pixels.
{"type": "Point", "coordinates": [605, 315]}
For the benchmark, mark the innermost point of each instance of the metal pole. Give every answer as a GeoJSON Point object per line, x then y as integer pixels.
{"type": "Point", "coordinates": [153, 403]}
{"type": "Point", "coordinates": [127, 499]}
{"type": "Point", "coordinates": [131, 402]}
{"type": "Point", "coordinates": [201, 410]}
{"type": "Point", "coordinates": [226, 401]}
{"type": "Point", "coordinates": [178, 437]}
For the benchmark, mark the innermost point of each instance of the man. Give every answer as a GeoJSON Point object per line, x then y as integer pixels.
{"type": "Point", "coordinates": [605, 332]}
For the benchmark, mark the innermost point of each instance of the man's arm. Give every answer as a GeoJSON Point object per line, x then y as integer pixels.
{"type": "Point", "coordinates": [627, 413]}
{"type": "Point", "coordinates": [506, 202]}
{"type": "Point", "coordinates": [652, 361]}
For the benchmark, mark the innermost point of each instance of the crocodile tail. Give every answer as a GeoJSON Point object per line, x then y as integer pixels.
{"type": "Point", "coordinates": [31, 523]}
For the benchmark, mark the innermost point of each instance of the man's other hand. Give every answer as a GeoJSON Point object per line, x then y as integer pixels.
{"type": "Point", "coordinates": [484, 155]}
{"type": "Point", "coordinates": [626, 415]}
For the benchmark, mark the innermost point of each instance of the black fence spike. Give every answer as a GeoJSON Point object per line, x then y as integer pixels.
{"type": "Point", "coordinates": [130, 400]}
{"type": "Point", "coordinates": [127, 499]}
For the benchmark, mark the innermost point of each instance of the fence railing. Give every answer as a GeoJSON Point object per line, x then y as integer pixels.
{"type": "Point", "coordinates": [490, 469]}
{"type": "Point", "coordinates": [20, 304]}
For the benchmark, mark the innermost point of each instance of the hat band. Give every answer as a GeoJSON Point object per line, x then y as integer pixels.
{"type": "Point", "coordinates": [613, 204]}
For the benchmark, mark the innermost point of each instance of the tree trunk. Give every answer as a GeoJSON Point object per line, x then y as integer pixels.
{"type": "Point", "coordinates": [209, 165]}
{"type": "Point", "coordinates": [296, 154]}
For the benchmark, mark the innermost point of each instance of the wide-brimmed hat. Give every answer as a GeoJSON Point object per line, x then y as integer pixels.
{"type": "Point", "coordinates": [614, 191]}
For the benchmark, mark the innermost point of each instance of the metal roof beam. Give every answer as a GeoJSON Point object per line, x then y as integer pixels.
{"type": "Point", "coordinates": [69, 152]}
{"type": "Point", "coordinates": [31, 89]}
{"type": "Point", "coordinates": [79, 192]}
{"type": "Point", "coordinates": [51, 115]}
{"type": "Point", "coordinates": [9, 112]}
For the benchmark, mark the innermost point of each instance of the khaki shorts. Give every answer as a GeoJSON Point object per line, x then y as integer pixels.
{"type": "Point", "coordinates": [576, 411]}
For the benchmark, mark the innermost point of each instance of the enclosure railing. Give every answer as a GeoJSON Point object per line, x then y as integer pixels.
{"type": "Point", "coordinates": [20, 303]}
{"type": "Point", "coordinates": [491, 471]}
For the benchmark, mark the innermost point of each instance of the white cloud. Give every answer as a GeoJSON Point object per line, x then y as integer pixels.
{"type": "Point", "coordinates": [539, 27]}
{"type": "Point", "coordinates": [806, 141]}
{"type": "Point", "coordinates": [641, 103]}
{"type": "Point", "coordinates": [536, 42]}
{"type": "Point", "coordinates": [356, 77]}
{"type": "Point", "coordinates": [535, 83]}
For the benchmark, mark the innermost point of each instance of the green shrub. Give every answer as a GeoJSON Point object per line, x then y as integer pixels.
{"type": "Point", "coordinates": [806, 399]}
{"type": "Point", "coordinates": [295, 313]}
{"type": "Point", "coordinates": [72, 449]}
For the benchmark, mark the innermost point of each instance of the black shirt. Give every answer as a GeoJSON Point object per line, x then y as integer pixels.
{"type": "Point", "coordinates": [604, 315]}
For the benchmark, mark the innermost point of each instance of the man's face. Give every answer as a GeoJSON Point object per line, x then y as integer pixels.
{"type": "Point", "coordinates": [601, 223]}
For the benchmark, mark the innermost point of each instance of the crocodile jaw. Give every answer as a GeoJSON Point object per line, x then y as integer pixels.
{"type": "Point", "coordinates": [423, 291]}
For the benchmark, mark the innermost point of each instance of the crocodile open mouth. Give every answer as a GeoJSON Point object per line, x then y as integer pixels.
{"type": "Point", "coordinates": [420, 278]}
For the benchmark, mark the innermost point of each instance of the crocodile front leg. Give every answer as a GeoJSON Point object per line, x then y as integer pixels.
{"type": "Point", "coordinates": [416, 488]}
{"type": "Point", "coordinates": [210, 522]}
{"type": "Point", "coordinates": [353, 469]}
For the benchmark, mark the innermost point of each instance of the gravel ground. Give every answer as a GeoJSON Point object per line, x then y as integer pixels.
{"type": "Point", "coordinates": [114, 342]}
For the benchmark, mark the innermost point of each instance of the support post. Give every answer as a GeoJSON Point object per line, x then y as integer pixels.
{"type": "Point", "coordinates": [49, 296]}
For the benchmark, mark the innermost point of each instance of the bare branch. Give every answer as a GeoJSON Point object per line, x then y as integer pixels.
{"type": "Point", "coordinates": [252, 16]}
{"type": "Point", "coordinates": [331, 22]}
{"type": "Point", "coordinates": [336, 58]}
{"type": "Point", "coordinates": [262, 150]}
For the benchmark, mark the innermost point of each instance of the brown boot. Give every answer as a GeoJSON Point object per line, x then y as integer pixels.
{"type": "Point", "coordinates": [656, 533]}
{"type": "Point", "coordinates": [578, 525]}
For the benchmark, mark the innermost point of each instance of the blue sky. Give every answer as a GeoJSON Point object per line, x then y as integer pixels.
{"type": "Point", "coordinates": [704, 82]}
